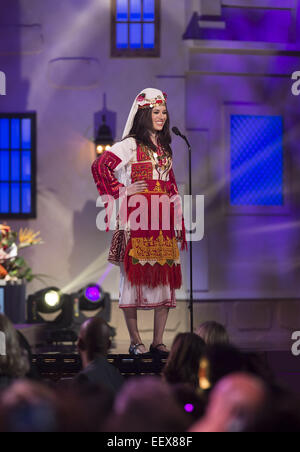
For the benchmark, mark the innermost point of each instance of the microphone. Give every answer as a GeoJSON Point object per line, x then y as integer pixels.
{"type": "Point", "coordinates": [177, 131]}
{"type": "Point", "coordinates": [179, 134]}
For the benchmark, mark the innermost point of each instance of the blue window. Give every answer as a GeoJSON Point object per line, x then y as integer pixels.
{"type": "Point", "coordinates": [17, 165]}
{"type": "Point", "coordinates": [257, 161]}
{"type": "Point", "coordinates": [136, 28]}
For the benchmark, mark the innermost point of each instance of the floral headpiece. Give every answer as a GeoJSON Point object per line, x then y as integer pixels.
{"type": "Point", "coordinates": [144, 102]}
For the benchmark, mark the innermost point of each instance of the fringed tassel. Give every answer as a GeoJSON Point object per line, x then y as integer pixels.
{"type": "Point", "coordinates": [153, 276]}
{"type": "Point", "coordinates": [183, 241]}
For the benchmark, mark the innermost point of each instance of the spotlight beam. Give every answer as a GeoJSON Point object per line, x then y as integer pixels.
{"type": "Point", "coordinates": [90, 273]}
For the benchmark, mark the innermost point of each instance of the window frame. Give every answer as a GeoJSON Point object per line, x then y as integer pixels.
{"type": "Point", "coordinates": [33, 117]}
{"type": "Point", "coordinates": [135, 53]}
{"type": "Point", "coordinates": [230, 209]}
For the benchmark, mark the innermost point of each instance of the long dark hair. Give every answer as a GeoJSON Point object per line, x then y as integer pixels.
{"type": "Point", "coordinates": [182, 365]}
{"type": "Point", "coordinates": [142, 125]}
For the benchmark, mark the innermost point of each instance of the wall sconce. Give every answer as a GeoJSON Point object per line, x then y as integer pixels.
{"type": "Point", "coordinates": [104, 140]}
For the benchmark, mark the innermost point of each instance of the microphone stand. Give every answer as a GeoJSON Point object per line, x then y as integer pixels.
{"type": "Point", "coordinates": [191, 304]}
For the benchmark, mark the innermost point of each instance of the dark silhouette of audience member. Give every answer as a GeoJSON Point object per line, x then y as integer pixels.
{"type": "Point", "coordinates": [147, 404]}
{"type": "Point", "coordinates": [213, 333]}
{"type": "Point", "coordinates": [14, 361]}
{"type": "Point", "coordinates": [281, 414]}
{"type": "Point", "coordinates": [182, 365]}
{"type": "Point", "coordinates": [234, 403]}
{"type": "Point", "coordinates": [190, 400]}
{"type": "Point", "coordinates": [93, 344]}
{"type": "Point", "coordinates": [84, 407]}
{"type": "Point", "coordinates": [257, 364]}
{"type": "Point", "coordinates": [217, 362]}
{"type": "Point", "coordinates": [29, 407]}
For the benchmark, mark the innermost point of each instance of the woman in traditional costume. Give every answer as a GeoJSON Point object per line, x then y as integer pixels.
{"type": "Point", "coordinates": [148, 255]}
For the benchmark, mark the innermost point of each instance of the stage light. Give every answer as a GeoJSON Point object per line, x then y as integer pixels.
{"type": "Point", "coordinates": [91, 297]}
{"type": "Point", "coordinates": [51, 306]}
{"type": "Point", "coordinates": [52, 298]}
{"type": "Point", "coordinates": [90, 301]}
{"type": "Point", "coordinates": [49, 300]}
{"type": "Point", "coordinates": [93, 293]}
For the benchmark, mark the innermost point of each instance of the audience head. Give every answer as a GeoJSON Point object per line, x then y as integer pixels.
{"type": "Point", "coordinates": [84, 408]}
{"type": "Point", "coordinates": [217, 362]}
{"type": "Point", "coordinates": [234, 403]}
{"type": "Point", "coordinates": [28, 407]}
{"type": "Point", "coordinates": [182, 365]}
{"type": "Point", "coordinates": [14, 361]}
{"type": "Point", "coordinates": [94, 338]}
{"type": "Point", "coordinates": [213, 333]}
{"type": "Point", "coordinates": [147, 404]}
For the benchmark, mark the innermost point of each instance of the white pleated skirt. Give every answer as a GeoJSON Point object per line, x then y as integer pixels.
{"type": "Point", "coordinates": [144, 297]}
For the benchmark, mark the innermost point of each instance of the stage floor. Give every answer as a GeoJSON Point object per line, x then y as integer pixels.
{"type": "Point", "coordinates": [36, 336]}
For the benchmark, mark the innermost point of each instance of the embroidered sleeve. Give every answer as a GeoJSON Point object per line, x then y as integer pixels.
{"type": "Point", "coordinates": [103, 170]}
{"type": "Point", "coordinates": [104, 167]}
{"type": "Point", "coordinates": [103, 173]}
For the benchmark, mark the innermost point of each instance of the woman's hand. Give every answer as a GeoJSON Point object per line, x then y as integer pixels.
{"type": "Point", "coordinates": [136, 187]}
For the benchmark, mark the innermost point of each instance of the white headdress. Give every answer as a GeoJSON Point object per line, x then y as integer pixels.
{"type": "Point", "coordinates": [148, 98]}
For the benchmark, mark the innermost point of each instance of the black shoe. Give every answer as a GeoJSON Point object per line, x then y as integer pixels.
{"type": "Point", "coordinates": [155, 350]}
{"type": "Point", "coordinates": [134, 350]}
